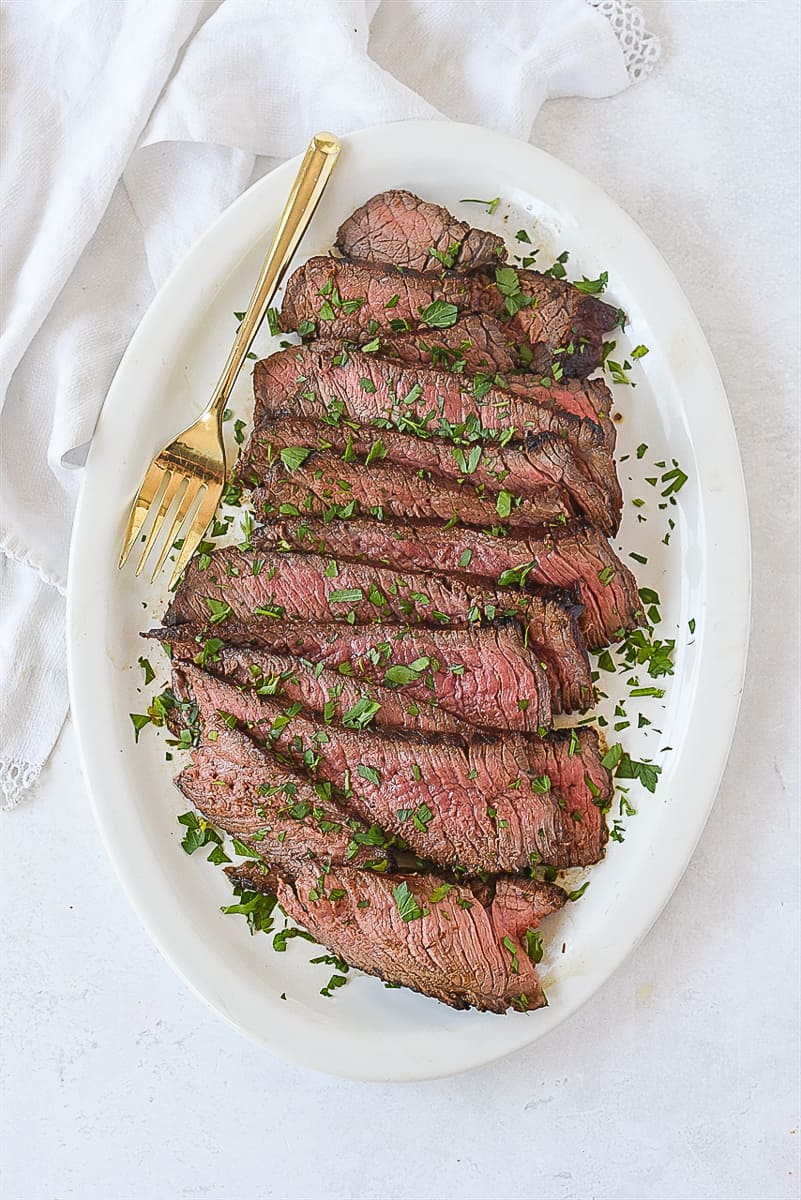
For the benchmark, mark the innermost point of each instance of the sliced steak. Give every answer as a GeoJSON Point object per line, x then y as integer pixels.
{"type": "Point", "coordinates": [259, 586]}
{"type": "Point", "coordinates": [398, 227]}
{"type": "Point", "coordinates": [418, 931]}
{"type": "Point", "coordinates": [542, 462]}
{"type": "Point", "coordinates": [575, 556]}
{"type": "Point", "coordinates": [483, 675]}
{"type": "Point", "coordinates": [327, 485]}
{"type": "Point", "coordinates": [491, 804]}
{"type": "Point", "coordinates": [355, 301]}
{"type": "Point", "coordinates": [477, 344]}
{"type": "Point", "coordinates": [338, 698]}
{"type": "Point", "coordinates": [370, 391]}
{"type": "Point", "coordinates": [247, 793]}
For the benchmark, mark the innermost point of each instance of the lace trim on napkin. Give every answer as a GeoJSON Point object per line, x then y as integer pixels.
{"type": "Point", "coordinates": [641, 49]}
{"type": "Point", "coordinates": [16, 776]}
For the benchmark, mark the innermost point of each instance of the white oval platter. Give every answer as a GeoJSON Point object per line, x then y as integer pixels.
{"type": "Point", "coordinates": [678, 409]}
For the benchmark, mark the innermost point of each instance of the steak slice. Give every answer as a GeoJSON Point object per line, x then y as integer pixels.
{"type": "Point", "coordinates": [370, 391]}
{"type": "Point", "coordinates": [357, 300]}
{"type": "Point", "coordinates": [542, 462]}
{"type": "Point", "coordinates": [418, 931]}
{"type": "Point", "coordinates": [326, 485]}
{"type": "Point", "coordinates": [248, 586]}
{"type": "Point", "coordinates": [339, 698]}
{"type": "Point", "coordinates": [398, 227]}
{"type": "Point", "coordinates": [476, 344]}
{"type": "Point", "coordinates": [247, 793]}
{"type": "Point", "coordinates": [491, 804]}
{"type": "Point", "coordinates": [481, 675]}
{"type": "Point", "coordinates": [575, 556]}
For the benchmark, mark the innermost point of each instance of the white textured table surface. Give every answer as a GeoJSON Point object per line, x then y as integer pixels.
{"type": "Point", "coordinates": [680, 1079]}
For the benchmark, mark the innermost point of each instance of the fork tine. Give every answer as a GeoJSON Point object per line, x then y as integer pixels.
{"type": "Point", "coordinates": [200, 523]}
{"type": "Point", "coordinates": [185, 508]}
{"type": "Point", "coordinates": [154, 481]}
{"type": "Point", "coordinates": [167, 495]}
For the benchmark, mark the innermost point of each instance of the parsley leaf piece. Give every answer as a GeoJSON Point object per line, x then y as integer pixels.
{"type": "Point", "coordinates": [293, 457]}
{"type": "Point", "coordinates": [490, 204]}
{"type": "Point", "coordinates": [218, 608]}
{"type": "Point", "coordinates": [503, 505]}
{"type": "Point", "coordinates": [150, 674]}
{"type": "Point", "coordinates": [579, 892]}
{"type": "Point", "coordinates": [399, 674]}
{"type": "Point", "coordinates": [533, 943]}
{"type": "Point", "coordinates": [593, 287]}
{"type": "Point", "coordinates": [346, 596]}
{"type": "Point", "coordinates": [612, 757]}
{"type": "Point", "coordinates": [439, 315]}
{"type": "Point", "coordinates": [139, 721]}
{"type": "Point", "coordinates": [408, 907]}
{"type": "Point", "coordinates": [647, 773]}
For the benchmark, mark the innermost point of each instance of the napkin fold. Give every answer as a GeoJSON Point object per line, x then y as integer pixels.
{"type": "Point", "coordinates": [126, 129]}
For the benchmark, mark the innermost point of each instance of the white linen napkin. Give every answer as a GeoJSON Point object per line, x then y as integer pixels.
{"type": "Point", "coordinates": [126, 128]}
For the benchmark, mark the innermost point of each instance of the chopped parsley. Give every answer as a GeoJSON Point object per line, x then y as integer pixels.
{"type": "Point", "coordinates": [593, 287]}
{"type": "Point", "coordinates": [293, 457]}
{"type": "Point", "coordinates": [408, 907]}
{"type": "Point", "coordinates": [491, 205]}
{"type": "Point", "coordinates": [439, 315]}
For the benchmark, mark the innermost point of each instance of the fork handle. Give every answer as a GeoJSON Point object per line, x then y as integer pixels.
{"type": "Point", "coordinates": [315, 169]}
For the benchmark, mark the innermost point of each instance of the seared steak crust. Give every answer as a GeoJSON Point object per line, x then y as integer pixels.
{"type": "Point", "coordinates": [398, 227]}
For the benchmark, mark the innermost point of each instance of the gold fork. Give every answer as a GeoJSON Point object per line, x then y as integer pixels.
{"type": "Point", "coordinates": [187, 478]}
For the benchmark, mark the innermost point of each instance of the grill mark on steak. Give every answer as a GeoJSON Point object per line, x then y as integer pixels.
{"type": "Point", "coordinates": [297, 587]}
{"type": "Point", "coordinates": [398, 227]}
{"type": "Point", "coordinates": [454, 952]}
{"type": "Point", "coordinates": [247, 793]}
{"type": "Point", "coordinates": [562, 315]}
{"type": "Point", "coordinates": [475, 344]}
{"type": "Point", "coordinates": [492, 804]}
{"type": "Point", "coordinates": [326, 485]}
{"type": "Point", "coordinates": [576, 556]}
{"type": "Point", "coordinates": [542, 462]}
{"type": "Point", "coordinates": [302, 382]}
{"type": "Point", "coordinates": [323, 691]}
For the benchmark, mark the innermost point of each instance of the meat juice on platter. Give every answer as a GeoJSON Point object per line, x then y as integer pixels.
{"type": "Point", "coordinates": [366, 682]}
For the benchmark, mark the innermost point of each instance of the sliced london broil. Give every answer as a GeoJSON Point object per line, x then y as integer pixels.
{"type": "Point", "coordinates": [324, 484]}
{"type": "Point", "coordinates": [260, 586]}
{"type": "Point", "coordinates": [538, 465]}
{"type": "Point", "coordinates": [492, 804]}
{"type": "Point", "coordinates": [247, 793]}
{"type": "Point", "coordinates": [387, 925]}
{"type": "Point", "coordinates": [562, 324]}
{"type": "Point", "coordinates": [573, 556]}
{"type": "Point", "coordinates": [432, 403]}
{"type": "Point", "coordinates": [353, 702]}
{"type": "Point", "coordinates": [398, 227]}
